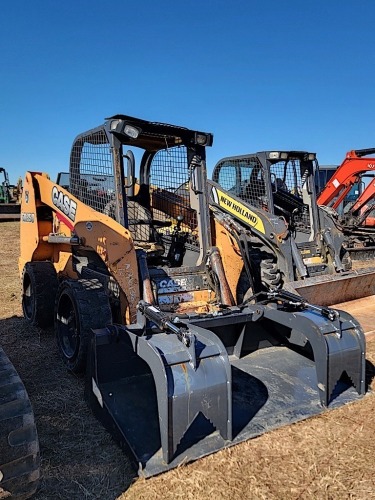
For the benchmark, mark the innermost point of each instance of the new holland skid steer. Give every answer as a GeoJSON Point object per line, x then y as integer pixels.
{"type": "Point", "coordinates": [268, 202]}
{"type": "Point", "coordinates": [148, 291]}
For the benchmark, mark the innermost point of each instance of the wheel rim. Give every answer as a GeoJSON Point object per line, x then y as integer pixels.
{"type": "Point", "coordinates": [67, 327]}
{"type": "Point", "coordinates": [28, 298]}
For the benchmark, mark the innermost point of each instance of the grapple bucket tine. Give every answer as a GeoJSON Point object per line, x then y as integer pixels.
{"type": "Point", "coordinates": [178, 389]}
{"type": "Point", "coordinates": [185, 391]}
{"type": "Point", "coordinates": [338, 346]}
{"type": "Point", "coordinates": [350, 360]}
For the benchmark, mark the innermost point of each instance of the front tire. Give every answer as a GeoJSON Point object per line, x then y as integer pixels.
{"type": "Point", "coordinates": [81, 305]}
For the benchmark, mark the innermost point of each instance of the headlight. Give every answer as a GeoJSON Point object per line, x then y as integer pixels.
{"type": "Point", "coordinates": [201, 139]}
{"type": "Point", "coordinates": [114, 124]}
{"type": "Point", "coordinates": [131, 131]}
{"type": "Point", "coordinates": [274, 155]}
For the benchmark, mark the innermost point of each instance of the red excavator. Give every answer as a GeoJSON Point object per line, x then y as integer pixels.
{"type": "Point", "coordinates": [356, 220]}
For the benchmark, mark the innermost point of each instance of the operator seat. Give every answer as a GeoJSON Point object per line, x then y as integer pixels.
{"type": "Point", "coordinates": [140, 225]}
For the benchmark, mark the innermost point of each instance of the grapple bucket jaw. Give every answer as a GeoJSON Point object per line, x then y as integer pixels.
{"type": "Point", "coordinates": [184, 383]}
{"type": "Point", "coordinates": [202, 383]}
{"type": "Point", "coordinates": [338, 346]}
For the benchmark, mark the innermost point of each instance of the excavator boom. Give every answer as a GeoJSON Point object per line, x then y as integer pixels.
{"type": "Point", "coordinates": [356, 164]}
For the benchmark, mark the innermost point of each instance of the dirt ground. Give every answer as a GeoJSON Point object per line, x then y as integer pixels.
{"type": "Point", "coordinates": [326, 457]}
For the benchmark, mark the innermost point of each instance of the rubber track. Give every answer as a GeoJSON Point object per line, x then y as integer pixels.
{"type": "Point", "coordinates": [19, 445]}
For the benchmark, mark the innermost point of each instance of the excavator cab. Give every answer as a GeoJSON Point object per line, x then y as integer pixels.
{"type": "Point", "coordinates": [148, 292]}
{"type": "Point", "coordinates": [349, 197]}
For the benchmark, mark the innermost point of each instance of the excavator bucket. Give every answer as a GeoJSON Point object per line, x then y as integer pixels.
{"type": "Point", "coordinates": [206, 383]}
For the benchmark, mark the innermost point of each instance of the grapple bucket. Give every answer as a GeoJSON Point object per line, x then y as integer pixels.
{"type": "Point", "coordinates": [172, 397]}
{"type": "Point", "coordinates": [328, 290]}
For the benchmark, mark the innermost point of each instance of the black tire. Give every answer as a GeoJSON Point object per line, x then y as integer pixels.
{"type": "Point", "coordinates": [81, 305]}
{"type": "Point", "coordinates": [19, 445]}
{"type": "Point", "coordinates": [270, 274]}
{"type": "Point", "coordinates": [39, 288]}
{"type": "Point", "coordinates": [245, 288]}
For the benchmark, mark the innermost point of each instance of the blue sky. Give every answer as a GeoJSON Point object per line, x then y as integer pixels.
{"type": "Point", "coordinates": [292, 74]}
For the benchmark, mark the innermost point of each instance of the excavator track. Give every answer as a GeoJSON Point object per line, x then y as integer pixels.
{"type": "Point", "coordinates": [19, 445]}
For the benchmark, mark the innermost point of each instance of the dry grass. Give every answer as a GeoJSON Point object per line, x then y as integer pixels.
{"type": "Point", "coordinates": [79, 459]}
{"type": "Point", "coordinates": [326, 457]}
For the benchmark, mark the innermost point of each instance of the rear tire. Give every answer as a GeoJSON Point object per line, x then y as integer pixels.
{"type": "Point", "coordinates": [39, 288]}
{"type": "Point", "coordinates": [81, 305]}
{"type": "Point", "coordinates": [19, 445]}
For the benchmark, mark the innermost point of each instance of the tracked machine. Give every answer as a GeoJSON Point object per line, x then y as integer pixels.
{"type": "Point", "coordinates": [19, 444]}
{"type": "Point", "coordinates": [10, 198]}
{"type": "Point", "coordinates": [148, 292]}
{"type": "Point", "coordinates": [355, 219]}
{"type": "Point", "coordinates": [268, 202]}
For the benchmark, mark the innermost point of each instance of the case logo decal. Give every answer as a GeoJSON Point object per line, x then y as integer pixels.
{"type": "Point", "coordinates": [64, 203]}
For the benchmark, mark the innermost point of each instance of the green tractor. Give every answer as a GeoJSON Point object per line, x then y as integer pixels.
{"type": "Point", "coordinates": [10, 198]}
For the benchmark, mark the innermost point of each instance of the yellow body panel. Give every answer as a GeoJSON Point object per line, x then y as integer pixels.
{"type": "Point", "coordinates": [240, 210]}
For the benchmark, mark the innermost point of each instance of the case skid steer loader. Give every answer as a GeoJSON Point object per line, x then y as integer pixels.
{"type": "Point", "coordinates": [268, 202]}
{"type": "Point", "coordinates": [147, 287]}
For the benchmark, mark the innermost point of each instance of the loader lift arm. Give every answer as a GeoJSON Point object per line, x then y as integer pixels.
{"type": "Point", "coordinates": [63, 223]}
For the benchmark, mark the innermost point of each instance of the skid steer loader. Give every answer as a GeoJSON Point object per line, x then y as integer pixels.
{"type": "Point", "coordinates": [147, 292]}
{"type": "Point", "coordinates": [267, 201]}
